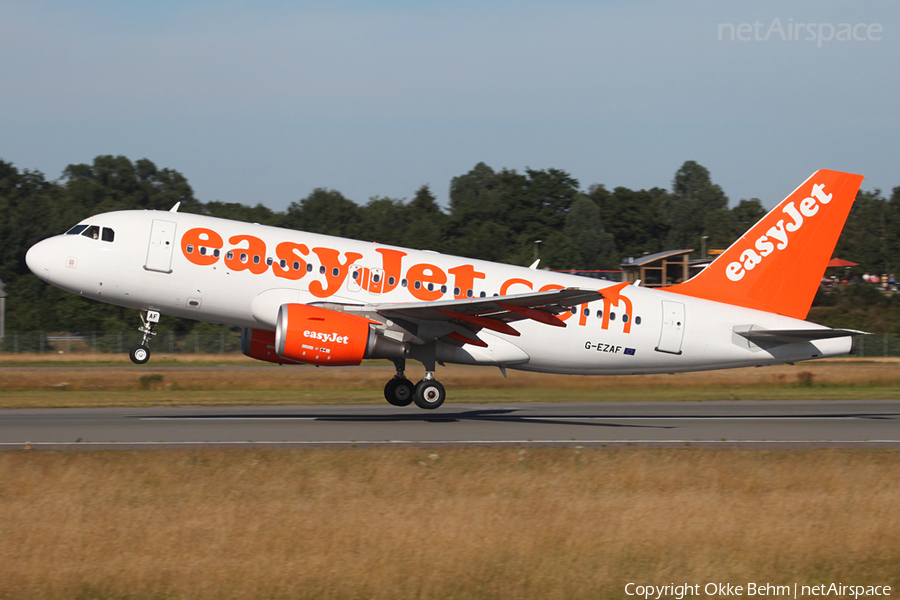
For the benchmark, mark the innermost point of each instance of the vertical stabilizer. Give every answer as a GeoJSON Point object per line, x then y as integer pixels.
{"type": "Point", "coordinates": [778, 264]}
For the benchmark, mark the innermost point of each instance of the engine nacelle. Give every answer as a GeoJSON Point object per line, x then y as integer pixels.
{"type": "Point", "coordinates": [319, 336]}
{"type": "Point", "coordinates": [260, 344]}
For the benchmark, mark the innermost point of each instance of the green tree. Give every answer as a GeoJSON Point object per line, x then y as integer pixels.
{"type": "Point", "coordinates": [241, 212]}
{"type": "Point", "coordinates": [499, 215]}
{"type": "Point", "coordinates": [384, 220]}
{"type": "Point", "coordinates": [870, 236]}
{"type": "Point", "coordinates": [427, 222]}
{"type": "Point", "coordinates": [324, 211]}
{"type": "Point", "coordinates": [477, 225]}
{"type": "Point", "coordinates": [747, 214]}
{"type": "Point", "coordinates": [685, 210]}
{"type": "Point", "coordinates": [631, 217]}
{"type": "Point", "coordinates": [595, 248]}
{"type": "Point", "coordinates": [115, 183]}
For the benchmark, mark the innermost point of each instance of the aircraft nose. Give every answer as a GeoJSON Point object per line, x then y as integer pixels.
{"type": "Point", "coordinates": [39, 258]}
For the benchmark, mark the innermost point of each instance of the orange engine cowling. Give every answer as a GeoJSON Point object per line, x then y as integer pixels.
{"type": "Point", "coordinates": [319, 336]}
{"type": "Point", "coordinates": [260, 344]}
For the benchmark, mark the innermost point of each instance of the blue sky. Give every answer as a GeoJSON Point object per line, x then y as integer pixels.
{"type": "Point", "coordinates": [263, 102]}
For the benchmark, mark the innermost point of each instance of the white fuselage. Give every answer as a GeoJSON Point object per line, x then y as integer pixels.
{"type": "Point", "coordinates": [148, 266]}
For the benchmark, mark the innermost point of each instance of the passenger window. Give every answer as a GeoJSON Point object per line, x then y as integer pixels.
{"type": "Point", "coordinates": [92, 232]}
{"type": "Point", "coordinates": [76, 230]}
{"type": "Point", "coordinates": [108, 235]}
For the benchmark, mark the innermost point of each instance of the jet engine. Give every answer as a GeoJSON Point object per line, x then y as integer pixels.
{"type": "Point", "coordinates": [319, 336]}
{"type": "Point", "coordinates": [260, 344]}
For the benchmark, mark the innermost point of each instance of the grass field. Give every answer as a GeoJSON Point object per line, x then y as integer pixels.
{"type": "Point", "coordinates": [399, 523]}
{"type": "Point", "coordinates": [448, 523]}
{"type": "Point", "coordinates": [64, 384]}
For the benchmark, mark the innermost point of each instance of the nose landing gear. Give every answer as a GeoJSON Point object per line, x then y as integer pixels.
{"type": "Point", "coordinates": [140, 354]}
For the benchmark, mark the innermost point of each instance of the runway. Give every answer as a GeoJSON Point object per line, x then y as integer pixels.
{"type": "Point", "coordinates": [738, 423]}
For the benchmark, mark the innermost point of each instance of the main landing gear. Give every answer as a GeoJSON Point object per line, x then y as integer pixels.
{"type": "Point", "coordinates": [400, 391]}
{"type": "Point", "coordinates": [141, 353]}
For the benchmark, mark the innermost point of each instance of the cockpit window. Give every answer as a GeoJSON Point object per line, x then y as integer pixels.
{"type": "Point", "coordinates": [108, 235]}
{"type": "Point", "coordinates": [76, 230]}
{"type": "Point", "coordinates": [92, 232]}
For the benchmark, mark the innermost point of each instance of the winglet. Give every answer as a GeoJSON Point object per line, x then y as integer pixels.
{"type": "Point", "coordinates": [778, 264]}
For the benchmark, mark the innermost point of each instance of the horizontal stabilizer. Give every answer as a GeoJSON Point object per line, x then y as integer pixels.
{"type": "Point", "coordinates": [778, 337]}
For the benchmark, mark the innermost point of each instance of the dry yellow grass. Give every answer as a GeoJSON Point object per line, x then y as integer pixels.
{"type": "Point", "coordinates": [151, 385]}
{"type": "Point", "coordinates": [29, 358]}
{"type": "Point", "coordinates": [837, 373]}
{"type": "Point", "coordinates": [426, 523]}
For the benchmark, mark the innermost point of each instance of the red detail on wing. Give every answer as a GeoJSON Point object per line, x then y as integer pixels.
{"type": "Point", "coordinates": [461, 338]}
{"type": "Point", "coordinates": [487, 323]}
{"type": "Point", "coordinates": [534, 314]}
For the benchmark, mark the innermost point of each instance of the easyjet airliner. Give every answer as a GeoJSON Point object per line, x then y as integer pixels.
{"type": "Point", "coordinates": [322, 300]}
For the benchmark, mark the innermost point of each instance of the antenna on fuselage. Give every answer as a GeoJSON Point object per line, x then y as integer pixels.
{"type": "Point", "coordinates": [534, 265]}
{"type": "Point", "coordinates": [175, 208]}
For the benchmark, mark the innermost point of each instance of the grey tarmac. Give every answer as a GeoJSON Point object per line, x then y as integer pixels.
{"type": "Point", "coordinates": [769, 424]}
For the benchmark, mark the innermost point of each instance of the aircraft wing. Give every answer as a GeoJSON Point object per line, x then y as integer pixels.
{"type": "Point", "coordinates": [459, 319]}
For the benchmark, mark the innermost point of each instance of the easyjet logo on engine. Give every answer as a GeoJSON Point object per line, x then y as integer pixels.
{"type": "Point", "coordinates": [778, 236]}
{"type": "Point", "coordinates": [326, 337]}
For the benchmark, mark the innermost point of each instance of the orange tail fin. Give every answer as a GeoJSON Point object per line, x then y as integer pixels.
{"type": "Point", "coordinates": [777, 265]}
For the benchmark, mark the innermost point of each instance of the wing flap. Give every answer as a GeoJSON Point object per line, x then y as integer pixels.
{"type": "Point", "coordinates": [553, 302]}
{"type": "Point", "coordinates": [494, 313]}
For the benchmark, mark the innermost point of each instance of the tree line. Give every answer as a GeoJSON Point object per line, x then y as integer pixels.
{"type": "Point", "coordinates": [495, 215]}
